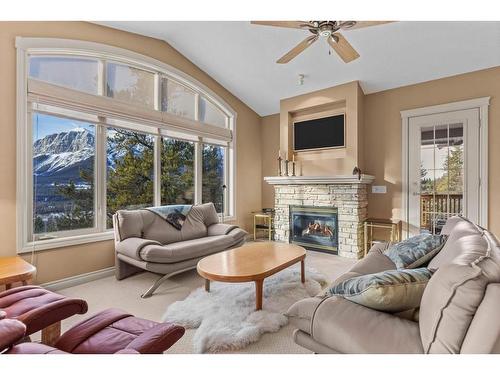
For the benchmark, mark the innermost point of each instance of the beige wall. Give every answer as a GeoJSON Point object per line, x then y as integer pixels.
{"type": "Point", "coordinates": [343, 98]}
{"type": "Point", "coordinates": [65, 262]}
{"type": "Point", "coordinates": [270, 144]}
{"type": "Point", "coordinates": [381, 135]}
{"type": "Point", "coordinates": [382, 132]}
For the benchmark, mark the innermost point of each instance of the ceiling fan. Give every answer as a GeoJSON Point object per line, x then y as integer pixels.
{"type": "Point", "coordinates": [327, 29]}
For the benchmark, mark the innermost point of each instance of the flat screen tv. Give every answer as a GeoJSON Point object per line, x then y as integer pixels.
{"type": "Point", "coordinates": [326, 132]}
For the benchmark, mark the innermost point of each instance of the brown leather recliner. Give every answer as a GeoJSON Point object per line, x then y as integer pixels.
{"type": "Point", "coordinates": [109, 332]}
{"type": "Point", "coordinates": [39, 309]}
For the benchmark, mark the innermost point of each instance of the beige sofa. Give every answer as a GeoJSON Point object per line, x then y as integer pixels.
{"type": "Point", "coordinates": [146, 241]}
{"type": "Point", "coordinates": [458, 312]}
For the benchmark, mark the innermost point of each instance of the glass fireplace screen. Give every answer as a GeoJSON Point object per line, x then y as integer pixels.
{"type": "Point", "coordinates": [315, 228]}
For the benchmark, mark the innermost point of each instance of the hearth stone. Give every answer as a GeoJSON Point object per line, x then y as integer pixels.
{"type": "Point", "coordinates": [350, 199]}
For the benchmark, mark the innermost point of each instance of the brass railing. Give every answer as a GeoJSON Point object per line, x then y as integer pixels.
{"type": "Point", "coordinates": [438, 206]}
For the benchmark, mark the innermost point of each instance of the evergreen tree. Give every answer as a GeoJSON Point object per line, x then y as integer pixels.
{"type": "Point", "coordinates": [131, 183]}
{"type": "Point", "coordinates": [213, 175]}
{"type": "Point", "coordinates": [80, 213]}
{"type": "Point", "coordinates": [452, 181]}
{"type": "Point", "coordinates": [177, 172]}
{"type": "Point", "coordinates": [426, 184]}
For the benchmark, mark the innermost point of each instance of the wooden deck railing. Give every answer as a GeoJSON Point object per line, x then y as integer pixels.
{"type": "Point", "coordinates": [438, 206]}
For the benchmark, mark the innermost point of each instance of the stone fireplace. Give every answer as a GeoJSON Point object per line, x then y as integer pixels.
{"type": "Point", "coordinates": [345, 196]}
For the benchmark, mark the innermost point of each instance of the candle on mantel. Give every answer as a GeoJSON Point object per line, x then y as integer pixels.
{"type": "Point", "coordinates": [293, 158]}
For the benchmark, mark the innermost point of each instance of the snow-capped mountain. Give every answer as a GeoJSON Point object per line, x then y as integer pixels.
{"type": "Point", "coordinates": [63, 153]}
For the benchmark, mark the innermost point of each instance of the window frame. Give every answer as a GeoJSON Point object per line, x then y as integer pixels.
{"type": "Point", "coordinates": [102, 53]}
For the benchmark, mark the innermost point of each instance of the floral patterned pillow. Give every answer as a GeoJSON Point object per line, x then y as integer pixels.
{"type": "Point", "coordinates": [415, 251]}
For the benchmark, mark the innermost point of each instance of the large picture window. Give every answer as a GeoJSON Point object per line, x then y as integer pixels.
{"type": "Point", "coordinates": [109, 130]}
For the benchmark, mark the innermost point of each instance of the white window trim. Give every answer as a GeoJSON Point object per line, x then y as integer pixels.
{"type": "Point", "coordinates": [44, 46]}
{"type": "Point", "coordinates": [482, 105]}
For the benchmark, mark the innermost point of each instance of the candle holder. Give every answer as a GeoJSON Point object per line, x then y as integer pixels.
{"type": "Point", "coordinates": [279, 166]}
{"type": "Point", "coordinates": [286, 167]}
{"type": "Point", "coordinates": [293, 168]}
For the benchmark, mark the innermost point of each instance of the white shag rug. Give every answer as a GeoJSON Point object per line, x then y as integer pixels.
{"type": "Point", "coordinates": [226, 318]}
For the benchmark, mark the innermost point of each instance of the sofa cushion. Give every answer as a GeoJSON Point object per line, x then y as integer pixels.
{"type": "Point", "coordinates": [465, 244]}
{"type": "Point", "coordinates": [450, 224]}
{"type": "Point", "coordinates": [483, 335]}
{"type": "Point", "coordinates": [375, 261]}
{"type": "Point", "coordinates": [456, 290]}
{"type": "Point", "coordinates": [347, 327]}
{"type": "Point", "coordinates": [179, 251]}
{"type": "Point", "coordinates": [448, 306]}
{"type": "Point", "coordinates": [391, 291]}
{"type": "Point", "coordinates": [415, 251]}
{"type": "Point", "coordinates": [157, 229]}
{"type": "Point", "coordinates": [130, 224]}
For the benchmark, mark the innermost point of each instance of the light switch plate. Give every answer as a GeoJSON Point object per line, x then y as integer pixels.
{"type": "Point", "coordinates": [382, 189]}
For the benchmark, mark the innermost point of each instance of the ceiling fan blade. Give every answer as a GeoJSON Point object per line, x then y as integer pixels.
{"type": "Point", "coordinates": [351, 25]}
{"type": "Point", "coordinates": [288, 24]}
{"type": "Point", "coordinates": [343, 48]}
{"type": "Point", "coordinates": [297, 49]}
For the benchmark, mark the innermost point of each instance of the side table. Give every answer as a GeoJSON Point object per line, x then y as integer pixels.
{"type": "Point", "coordinates": [393, 226]}
{"type": "Point", "coordinates": [15, 269]}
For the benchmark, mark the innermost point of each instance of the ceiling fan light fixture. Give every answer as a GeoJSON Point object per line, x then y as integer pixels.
{"type": "Point", "coordinates": [325, 33]}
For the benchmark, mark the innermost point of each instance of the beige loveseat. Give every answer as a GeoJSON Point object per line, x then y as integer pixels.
{"type": "Point", "coordinates": [458, 312]}
{"type": "Point", "coordinates": [146, 241]}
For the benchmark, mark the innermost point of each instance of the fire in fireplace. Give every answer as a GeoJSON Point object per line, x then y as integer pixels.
{"type": "Point", "coordinates": [315, 228]}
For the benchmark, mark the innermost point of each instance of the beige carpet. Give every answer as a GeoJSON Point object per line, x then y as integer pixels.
{"type": "Point", "coordinates": [125, 294]}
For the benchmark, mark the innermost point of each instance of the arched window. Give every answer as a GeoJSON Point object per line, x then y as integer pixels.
{"type": "Point", "coordinates": [101, 129]}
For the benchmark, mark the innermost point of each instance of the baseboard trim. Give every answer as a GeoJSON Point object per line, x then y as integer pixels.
{"type": "Point", "coordinates": [68, 282]}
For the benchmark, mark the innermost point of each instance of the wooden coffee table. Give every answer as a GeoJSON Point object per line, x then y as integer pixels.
{"type": "Point", "coordinates": [252, 262]}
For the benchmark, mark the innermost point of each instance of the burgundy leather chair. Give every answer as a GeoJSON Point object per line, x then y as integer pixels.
{"type": "Point", "coordinates": [109, 332]}
{"type": "Point", "coordinates": [39, 309]}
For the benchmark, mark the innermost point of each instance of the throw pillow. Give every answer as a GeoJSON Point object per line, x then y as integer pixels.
{"type": "Point", "coordinates": [390, 291]}
{"type": "Point", "coordinates": [415, 251]}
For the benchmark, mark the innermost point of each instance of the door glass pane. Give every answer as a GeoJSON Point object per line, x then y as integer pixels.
{"type": "Point", "coordinates": [213, 175]}
{"type": "Point", "coordinates": [442, 171]}
{"type": "Point", "coordinates": [177, 99]}
{"type": "Point", "coordinates": [130, 84]}
{"type": "Point", "coordinates": [177, 172]}
{"type": "Point", "coordinates": [211, 114]}
{"type": "Point", "coordinates": [75, 73]}
{"type": "Point", "coordinates": [63, 174]}
{"type": "Point", "coordinates": [130, 171]}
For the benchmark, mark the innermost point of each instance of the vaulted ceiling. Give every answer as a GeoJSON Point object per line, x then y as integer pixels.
{"type": "Point", "coordinates": [241, 56]}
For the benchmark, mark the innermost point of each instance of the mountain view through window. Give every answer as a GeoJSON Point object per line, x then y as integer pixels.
{"type": "Point", "coordinates": [63, 174]}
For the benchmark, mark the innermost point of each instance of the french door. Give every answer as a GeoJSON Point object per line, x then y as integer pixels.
{"type": "Point", "coordinates": [443, 169]}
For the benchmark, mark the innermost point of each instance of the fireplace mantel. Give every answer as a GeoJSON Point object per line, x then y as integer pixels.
{"type": "Point", "coordinates": [319, 180]}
